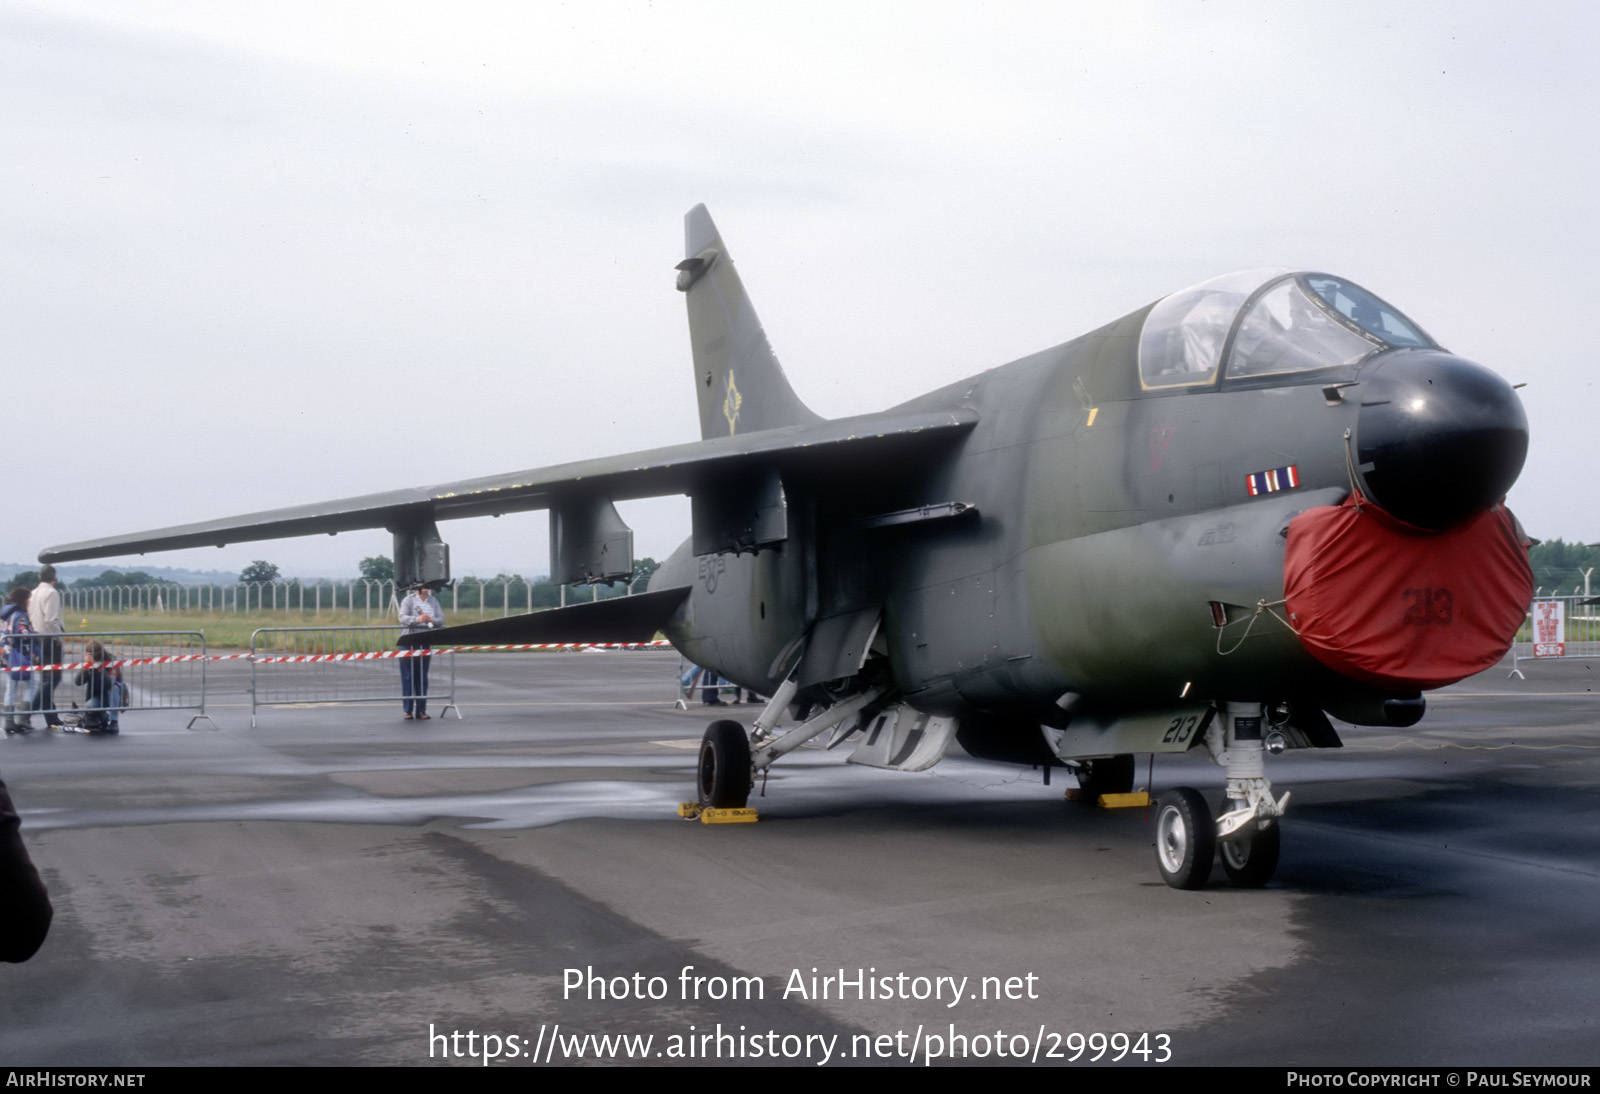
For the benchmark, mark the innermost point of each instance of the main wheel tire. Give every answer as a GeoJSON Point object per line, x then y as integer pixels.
{"type": "Point", "coordinates": [1110, 775]}
{"type": "Point", "coordinates": [1186, 838]}
{"type": "Point", "coordinates": [725, 777]}
{"type": "Point", "coordinates": [1250, 863]}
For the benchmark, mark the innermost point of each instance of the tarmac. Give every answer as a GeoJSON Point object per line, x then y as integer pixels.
{"type": "Point", "coordinates": [338, 886]}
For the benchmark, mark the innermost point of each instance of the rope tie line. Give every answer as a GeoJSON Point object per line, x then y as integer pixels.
{"type": "Point", "coordinates": [1263, 607]}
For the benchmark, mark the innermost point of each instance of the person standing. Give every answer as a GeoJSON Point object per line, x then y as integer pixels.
{"type": "Point", "coordinates": [419, 612]}
{"type": "Point", "coordinates": [18, 656]}
{"type": "Point", "coordinates": [44, 610]}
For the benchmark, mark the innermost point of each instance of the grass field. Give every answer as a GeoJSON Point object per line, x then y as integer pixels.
{"type": "Point", "coordinates": [223, 631]}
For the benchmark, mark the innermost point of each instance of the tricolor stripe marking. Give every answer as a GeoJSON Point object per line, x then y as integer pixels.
{"type": "Point", "coordinates": [1270, 482]}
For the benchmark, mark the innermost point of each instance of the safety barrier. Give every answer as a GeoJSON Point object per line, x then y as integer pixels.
{"type": "Point", "coordinates": [291, 665]}
{"type": "Point", "coordinates": [88, 680]}
{"type": "Point", "coordinates": [1566, 627]}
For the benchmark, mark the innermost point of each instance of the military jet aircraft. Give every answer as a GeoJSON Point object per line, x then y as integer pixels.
{"type": "Point", "coordinates": [1207, 524]}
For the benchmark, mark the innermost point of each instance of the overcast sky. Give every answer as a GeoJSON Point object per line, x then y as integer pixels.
{"type": "Point", "coordinates": [260, 255]}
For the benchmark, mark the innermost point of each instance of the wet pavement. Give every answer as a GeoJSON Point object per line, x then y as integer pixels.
{"type": "Point", "coordinates": [335, 884]}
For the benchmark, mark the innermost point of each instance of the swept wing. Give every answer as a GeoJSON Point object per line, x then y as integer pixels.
{"type": "Point", "coordinates": [852, 445]}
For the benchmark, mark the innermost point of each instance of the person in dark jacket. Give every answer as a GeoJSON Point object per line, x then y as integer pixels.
{"type": "Point", "coordinates": [99, 685]}
{"type": "Point", "coordinates": [25, 911]}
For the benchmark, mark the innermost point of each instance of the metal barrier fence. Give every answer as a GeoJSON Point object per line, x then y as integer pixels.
{"type": "Point", "coordinates": [88, 680]}
{"type": "Point", "coordinates": [343, 665]}
{"type": "Point", "coordinates": [1565, 627]}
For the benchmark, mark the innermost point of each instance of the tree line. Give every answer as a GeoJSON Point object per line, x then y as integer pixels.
{"type": "Point", "coordinates": [467, 593]}
{"type": "Point", "coordinates": [27, 579]}
{"type": "Point", "coordinates": [1558, 566]}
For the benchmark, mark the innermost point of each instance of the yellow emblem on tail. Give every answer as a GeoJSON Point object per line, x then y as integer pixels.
{"type": "Point", "coordinates": [730, 405]}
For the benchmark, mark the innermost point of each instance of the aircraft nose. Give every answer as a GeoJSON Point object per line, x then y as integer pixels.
{"type": "Point", "coordinates": [1438, 438]}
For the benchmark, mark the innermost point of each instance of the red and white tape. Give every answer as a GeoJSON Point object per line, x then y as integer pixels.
{"type": "Point", "coordinates": [307, 658]}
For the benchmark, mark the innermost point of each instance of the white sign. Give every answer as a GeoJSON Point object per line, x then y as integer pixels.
{"type": "Point", "coordinates": [1549, 628]}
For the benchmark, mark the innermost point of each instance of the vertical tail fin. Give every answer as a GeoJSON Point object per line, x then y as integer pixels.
{"type": "Point", "coordinates": [737, 379]}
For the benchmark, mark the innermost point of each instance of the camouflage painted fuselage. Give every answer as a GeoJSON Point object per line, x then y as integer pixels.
{"type": "Point", "coordinates": [1107, 519]}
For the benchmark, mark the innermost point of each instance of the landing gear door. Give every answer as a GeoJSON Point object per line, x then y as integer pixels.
{"type": "Point", "coordinates": [903, 739]}
{"type": "Point", "coordinates": [1171, 729]}
{"type": "Point", "coordinates": [838, 646]}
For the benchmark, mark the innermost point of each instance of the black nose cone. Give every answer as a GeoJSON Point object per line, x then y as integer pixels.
{"type": "Point", "coordinates": [1439, 439]}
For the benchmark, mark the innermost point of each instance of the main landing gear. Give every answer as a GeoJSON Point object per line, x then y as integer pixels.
{"type": "Point", "coordinates": [725, 776]}
{"type": "Point", "coordinates": [1187, 838]}
{"type": "Point", "coordinates": [730, 758]}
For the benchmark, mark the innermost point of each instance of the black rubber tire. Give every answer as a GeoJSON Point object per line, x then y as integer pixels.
{"type": "Point", "coordinates": [1110, 775]}
{"type": "Point", "coordinates": [724, 772]}
{"type": "Point", "coordinates": [1250, 863]}
{"type": "Point", "coordinates": [1186, 838]}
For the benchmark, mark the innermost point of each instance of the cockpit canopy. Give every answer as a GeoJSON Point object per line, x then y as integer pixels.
{"type": "Point", "coordinates": [1266, 323]}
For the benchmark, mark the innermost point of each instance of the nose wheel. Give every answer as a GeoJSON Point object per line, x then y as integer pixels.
{"type": "Point", "coordinates": [1250, 861]}
{"type": "Point", "coordinates": [1187, 843]}
{"type": "Point", "coordinates": [1186, 838]}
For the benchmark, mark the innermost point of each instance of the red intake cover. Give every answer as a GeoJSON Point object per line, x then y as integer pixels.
{"type": "Point", "coordinates": [1390, 605]}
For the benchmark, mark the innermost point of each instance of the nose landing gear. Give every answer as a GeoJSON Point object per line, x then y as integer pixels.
{"type": "Point", "coordinates": [1248, 834]}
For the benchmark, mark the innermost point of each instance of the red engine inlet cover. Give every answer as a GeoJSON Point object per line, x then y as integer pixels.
{"type": "Point", "coordinates": [1397, 607]}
